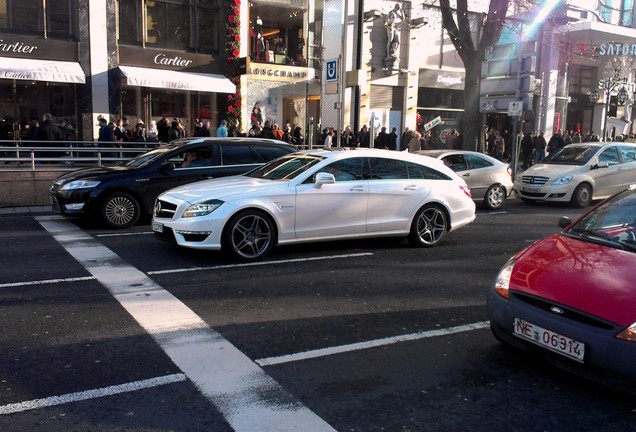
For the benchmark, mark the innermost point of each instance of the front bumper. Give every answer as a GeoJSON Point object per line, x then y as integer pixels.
{"type": "Point", "coordinates": [543, 193]}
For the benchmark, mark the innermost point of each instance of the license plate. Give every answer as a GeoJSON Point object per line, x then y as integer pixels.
{"type": "Point", "coordinates": [531, 189]}
{"type": "Point", "coordinates": [548, 339]}
{"type": "Point", "coordinates": [157, 227]}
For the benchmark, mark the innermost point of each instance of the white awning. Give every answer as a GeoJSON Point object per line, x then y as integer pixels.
{"type": "Point", "coordinates": [159, 78]}
{"type": "Point", "coordinates": [41, 70]}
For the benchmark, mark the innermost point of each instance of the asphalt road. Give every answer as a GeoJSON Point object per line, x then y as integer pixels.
{"type": "Point", "coordinates": [116, 331]}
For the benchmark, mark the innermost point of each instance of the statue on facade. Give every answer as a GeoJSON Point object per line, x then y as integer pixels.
{"type": "Point", "coordinates": [393, 24]}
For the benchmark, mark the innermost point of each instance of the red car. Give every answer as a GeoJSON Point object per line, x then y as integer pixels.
{"type": "Point", "coordinates": [572, 296]}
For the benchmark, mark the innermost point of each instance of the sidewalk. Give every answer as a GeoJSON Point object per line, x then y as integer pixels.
{"type": "Point", "coordinates": [30, 210]}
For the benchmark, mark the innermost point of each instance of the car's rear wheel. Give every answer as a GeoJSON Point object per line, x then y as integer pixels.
{"type": "Point", "coordinates": [428, 227]}
{"type": "Point", "coordinates": [120, 210]}
{"type": "Point", "coordinates": [249, 235]}
{"type": "Point", "coordinates": [582, 196]}
{"type": "Point", "coordinates": [495, 197]}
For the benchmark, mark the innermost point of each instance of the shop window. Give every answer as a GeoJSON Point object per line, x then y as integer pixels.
{"type": "Point", "coordinates": [277, 32]}
{"type": "Point", "coordinates": [27, 17]}
{"type": "Point", "coordinates": [185, 25]}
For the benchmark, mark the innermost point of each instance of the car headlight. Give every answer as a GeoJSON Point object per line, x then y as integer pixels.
{"type": "Point", "coordinates": [202, 208]}
{"type": "Point", "coordinates": [80, 184]}
{"type": "Point", "coordinates": [562, 181]}
{"type": "Point", "coordinates": [502, 283]}
{"type": "Point", "coordinates": [519, 178]}
{"type": "Point", "coordinates": [629, 334]}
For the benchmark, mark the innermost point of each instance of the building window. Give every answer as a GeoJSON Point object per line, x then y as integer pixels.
{"type": "Point", "coordinates": [184, 25]}
{"type": "Point", "coordinates": [27, 17]}
{"type": "Point", "coordinates": [278, 32]}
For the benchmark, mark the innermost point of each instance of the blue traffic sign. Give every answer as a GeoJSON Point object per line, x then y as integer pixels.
{"type": "Point", "coordinates": [332, 70]}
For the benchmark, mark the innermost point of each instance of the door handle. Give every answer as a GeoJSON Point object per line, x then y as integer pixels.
{"type": "Point", "coordinates": [410, 187]}
{"type": "Point", "coordinates": [357, 189]}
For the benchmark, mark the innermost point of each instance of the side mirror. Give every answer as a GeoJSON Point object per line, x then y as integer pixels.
{"type": "Point", "coordinates": [324, 178]}
{"type": "Point", "coordinates": [564, 222]}
{"type": "Point", "coordinates": [600, 165]}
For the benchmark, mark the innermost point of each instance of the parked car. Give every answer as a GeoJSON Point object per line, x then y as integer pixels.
{"type": "Point", "coordinates": [489, 179]}
{"type": "Point", "coordinates": [120, 195]}
{"type": "Point", "coordinates": [579, 174]}
{"type": "Point", "coordinates": [571, 297]}
{"type": "Point", "coordinates": [317, 195]}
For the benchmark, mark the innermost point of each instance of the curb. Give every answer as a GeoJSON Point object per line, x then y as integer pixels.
{"type": "Point", "coordinates": [30, 210]}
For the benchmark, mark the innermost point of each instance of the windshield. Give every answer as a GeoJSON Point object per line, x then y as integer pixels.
{"type": "Point", "coordinates": [612, 223]}
{"type": "Point", "coordinates": [572, 155]}
{"type": "Point", "coordinates": [286, 167]}
{"type": "Point", "coordinates": [144, 159]}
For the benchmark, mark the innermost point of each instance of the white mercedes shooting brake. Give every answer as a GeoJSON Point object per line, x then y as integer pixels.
{"type": "Point", "coordinates": [317, 195]}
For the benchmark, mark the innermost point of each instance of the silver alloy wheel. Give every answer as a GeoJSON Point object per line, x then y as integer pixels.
{"type": "Point", "coordinates": [251, 236]}
{"type": "Point", "coordinates": [495, 197]}
{"type": "Point", "coordinates": [120, 210]}
{"type": "Point", "coordinates": [582, 196]}
{"type": "Point", "coordinates": [430, 226]}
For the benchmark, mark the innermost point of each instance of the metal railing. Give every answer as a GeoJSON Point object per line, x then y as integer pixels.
{"type": "Point", "coordinates": [43, 156]}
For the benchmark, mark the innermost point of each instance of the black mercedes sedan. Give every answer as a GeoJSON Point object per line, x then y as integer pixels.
{"type": "Point", "coordinates": [120, 195]}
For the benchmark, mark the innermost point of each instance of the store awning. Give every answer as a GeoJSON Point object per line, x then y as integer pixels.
{"type": "Point", "coordinates": [159, 78]}
{"type": "Point", "coordinates": [41, 70]}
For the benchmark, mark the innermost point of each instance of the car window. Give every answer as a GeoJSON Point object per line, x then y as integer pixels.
{"type": "Point", "coordinates": [193, 158]}
{"type": "Point", "coordinates": [456, 162]}
{"type": "Point", "coordinates": [476, 162]}
{"type": "Point", "coordinates": [571, 155]}
{"type": "Point", "coordinates": [383, 169]}
{"type": "Point", "coordinates": [286, 167]}
{"type": "Point", "coordinates": [628, 153]}
{"type": "Point", "coordinates": [417, 171]}
{"type": "Point", "coordinates": [269, 152]}
{"type": "Point", "coordinates": [239, 154]}
{"type": "Point", "coordinates": [609, 155]}
{"type": "Point", "coordinates": [345, 170]}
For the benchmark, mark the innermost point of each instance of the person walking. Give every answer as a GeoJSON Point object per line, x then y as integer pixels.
{"type": "Point", "coordinates": [415, 143]}
{"type": "Point", "coordinates": [539, 147]}
{"type": "Point", "coordinates": [267, 131]}
{"type": "Point", "coordinates": [525, 155]}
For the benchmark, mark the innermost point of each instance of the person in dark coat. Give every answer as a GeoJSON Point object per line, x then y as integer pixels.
{"type": "Point", "coordinates": [527, 146]}
{"type": "Point", "coordinates": [267, 131]}
{"type": "Point", "coordinates": [48, 131]}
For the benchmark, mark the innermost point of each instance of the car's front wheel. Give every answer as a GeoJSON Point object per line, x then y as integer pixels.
{"type": "Point", "coordinates": [495, 197]}
{"type": "Point", "coordinates": [428, 227]}
{"type": "Point", "coordinates": [120, 210]}
{"type": "Point", "coordinates": [582, 196]}
{"type": "Point", "coordinates": [249, 235]}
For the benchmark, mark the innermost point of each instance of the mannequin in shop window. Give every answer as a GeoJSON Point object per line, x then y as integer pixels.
{"type": "Point", "coordinates": [259, 41]}
{"type": "Point", "coordinates": [393, 24]}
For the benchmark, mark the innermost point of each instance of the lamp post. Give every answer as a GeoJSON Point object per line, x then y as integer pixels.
{"type": "Point", "coordinates": [608, 85]}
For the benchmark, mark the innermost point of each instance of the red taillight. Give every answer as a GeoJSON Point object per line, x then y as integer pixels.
{"type": "Point", "coordinates": [466, 191]}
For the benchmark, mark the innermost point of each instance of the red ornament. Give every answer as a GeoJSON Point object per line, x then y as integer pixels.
{"type": "Point", "coordinates": [230, 108]}
{"type": "Point", "coordinates": [237, 38]}
{"type": "Point", "coordinates": [231, 18]}
{"type": "Point", "coordinates": [237, 103]}
{"type": "Point", "coordinates": [235, 53]}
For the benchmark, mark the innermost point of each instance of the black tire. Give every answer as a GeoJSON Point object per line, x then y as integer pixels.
{"type": "Point", "coordinates": [249, 235]}
{"type": "Point", "coordinates": [495, 197]}
{"type": "Point", "coordinates": [120, 210]}
{"type": "Point", "coordinates": [582, 196]}
{"type": "Point", "coordinates": [429, 226]}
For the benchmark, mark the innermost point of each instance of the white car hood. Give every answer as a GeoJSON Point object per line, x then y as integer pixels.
{"type": "Point", "coordinates": [223, 188]}
{"type": "Point", "coordinates": [554, 170]}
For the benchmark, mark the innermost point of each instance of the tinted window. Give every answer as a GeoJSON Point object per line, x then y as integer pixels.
{"type": "Point", "coordinates": [388, 169]}
{"type": "Point", "coordinates": [347, 169]}
{"type": "Point", "coordinates": [574, 155]}
{"type": "Point", "coordinates": [239, 154]}
{"type": "Point", "coordinates": [609, 155]}
{"type": "Point", "coordinates": [417, 171]}
{"type": "Point", "coordinates": [268, 152]}
{"type": "Point", "coordinates": [476, 162]}
{"type": "Point", "coordinates": [194, 158]}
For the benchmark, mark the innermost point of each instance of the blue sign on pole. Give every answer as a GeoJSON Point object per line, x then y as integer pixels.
{"type": "Point", "coordinates": [332, 70]}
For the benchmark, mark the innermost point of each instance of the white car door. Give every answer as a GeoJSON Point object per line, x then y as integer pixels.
{"type": "Point", "coordinates": [337, 209]}
{"type": "Point", "coordinates": [607, 179]}
{"type": "Point", "coordinates": [628, 165]}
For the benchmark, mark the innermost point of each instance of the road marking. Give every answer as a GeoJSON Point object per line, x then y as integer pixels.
{"type": "Point", "coordinates": [125, 234]}
{"type": "Point", "coordinates": [259, 263]}
{"type": "Point", "coordinates": [249, 399]}
{"type": "Point", "coordinates": [91, 394]}
{"type": "Point", "coordinates": [269, 361]}
{"type": "Point", "coordinates": [46, 281]}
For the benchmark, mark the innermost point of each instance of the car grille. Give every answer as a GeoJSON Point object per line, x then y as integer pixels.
{"type": "Point", "coordinates": [565, 312]}
{"type": "Point", "coordinates": [534, 180]}
{"type": "Point", "coordinates": [164, 209]}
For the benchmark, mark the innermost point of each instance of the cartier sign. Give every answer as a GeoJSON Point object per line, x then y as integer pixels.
{"type": "Point", "coordinates": [164, 60]}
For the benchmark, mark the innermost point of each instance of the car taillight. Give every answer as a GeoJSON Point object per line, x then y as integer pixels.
{"type": "Point", "coordinates": [466, 190]}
